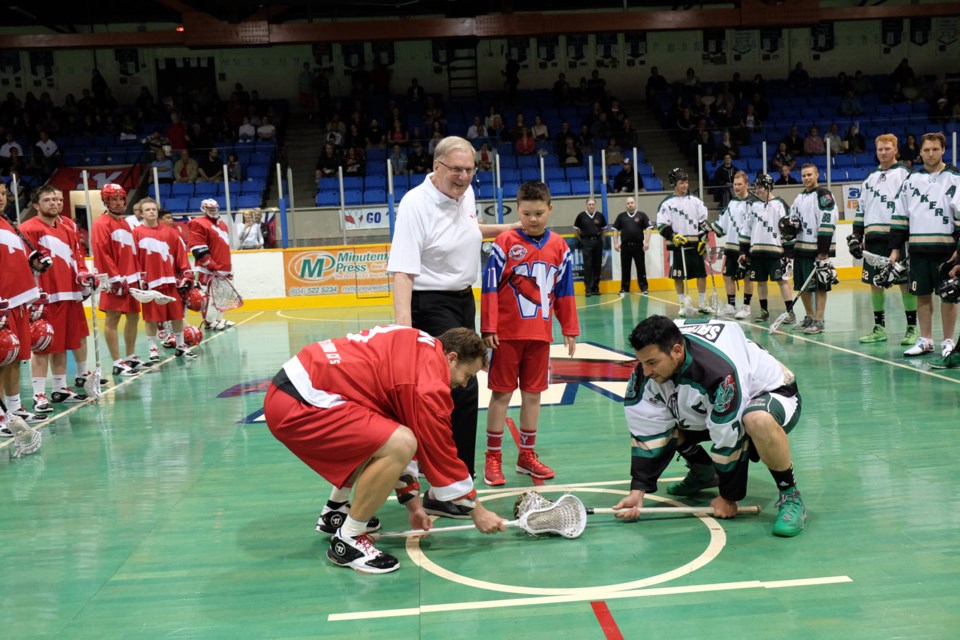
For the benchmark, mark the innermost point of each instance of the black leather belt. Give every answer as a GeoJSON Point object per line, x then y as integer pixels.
{"type": "Point", "coordinates": [468, 291]}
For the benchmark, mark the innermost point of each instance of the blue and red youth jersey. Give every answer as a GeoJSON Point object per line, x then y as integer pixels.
{"type": "Point", "coordinates": [525, 282]}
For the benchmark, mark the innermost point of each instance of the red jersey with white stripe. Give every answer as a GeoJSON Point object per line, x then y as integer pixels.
{"type": "Point", "coordinates": [160, 254]}
{"type": "Point", "coordinates": [61, 242]}
{"type": "Point", "coordinates": [399, 373]}
{"type": "Point", "coordinates": [205, 232]}
{"type": "Point", "coordinates": [17, 285]}
{"type": "Point", "coordinates": [525, 282]}
{"type": "Point", "coordinates": [113, 250]}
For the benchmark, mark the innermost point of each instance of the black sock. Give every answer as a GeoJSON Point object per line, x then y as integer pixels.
{"type": "Point", "coordinates": [789, 304]}
{"type": "Point", "coordinates": [694, 454]}
{"type": "Point", "coordinates": [747, 297]}
{"type": "Point", "coordinates": [335, 505]}
{"type": "Point", "coordinates": [880, 318]}
{"type": "Point", "coordinates": [784, 479]}
{"type": "Point", "coordinates": [763, 304]}
{"type": "Point", "coordinates": [911, 318]}
{"type": "Point", "coordinates": [732, 300]}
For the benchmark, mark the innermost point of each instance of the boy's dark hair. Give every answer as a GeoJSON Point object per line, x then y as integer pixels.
{"type": "Point", "coordinates": [532, 191]}
{"type": "Point", "coordinates": [164, 212]}
{"type": "Point", "coordinates": [465, 343]}
{"type": "Point", "coordinates": [658, 330]}
{"type": "Point", "coordinates": [934, 137]}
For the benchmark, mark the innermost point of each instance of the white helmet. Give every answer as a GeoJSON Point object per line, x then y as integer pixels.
{"type": "Point", "coordinates": [210, 207]}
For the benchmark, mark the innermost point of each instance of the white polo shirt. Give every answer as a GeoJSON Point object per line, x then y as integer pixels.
{"type": "Point", "coordinates": [436, 239]}
{"type": "Point", "coordinates": [48, 148]}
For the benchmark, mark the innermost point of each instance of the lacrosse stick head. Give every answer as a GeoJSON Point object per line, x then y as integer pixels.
{"type": "Point", "coordinates": [566, 517]}
{"type": "Point", "coordinates": [141, 295]}
{"type": "Point", "coordinates": [529, 500]}
{"type": "Point", "coordinates": [91, 385]}
{"type": "Point", "coordinates": [779, 321]}
{"type": "Point", "coordinates": [223, 295]}
{"type": "Point", "coordinates": [26, 440]}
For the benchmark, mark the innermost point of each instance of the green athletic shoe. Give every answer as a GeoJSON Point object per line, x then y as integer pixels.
{"type": "Point", "coordinates": [699, 477]}
{"type": "Point", "coordinates": [792, 515]}
{"type": "Point", "coordinates": [879, 334]}
{"type": "Point", "coordinates": [952, 361]}
{"type": "Point", "coordinates": [910, 336]}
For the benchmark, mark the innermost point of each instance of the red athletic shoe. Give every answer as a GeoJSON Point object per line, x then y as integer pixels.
{"type": "Point", "coordinates": [493, 470]}
{"type": "Point", "coordinates": [530, 464]}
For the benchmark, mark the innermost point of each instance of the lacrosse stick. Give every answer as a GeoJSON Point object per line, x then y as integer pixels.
{"type": "Point", "coordinates": [91, 384]}
{"type": "Point", "coordinates": [26, 439]}
{"type": "Point", "coordinates": [566, 517]}
{"type": "Point", "coordinates": [875, 260]}
{"type": "Point", "coordinates": [147, 295]}
{"type": "Point", "coordinates": [687, 303]}
{"type": "Point", "coordinates": [533, 499]}
{"type": "Point", "coordinates": [223, 294]}
{"type": "Point", "coordinates": [714, 301]}
{"type": "Point", "coordinates": [796, 298]}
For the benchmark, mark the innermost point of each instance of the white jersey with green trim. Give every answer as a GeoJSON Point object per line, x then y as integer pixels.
{"type": "Point", "coordinates": [721, 373]}
{"type": "Point", "coordinates": [926, 211]}
{"type": "Point", "coordinates": [683, 214]}
{"type": "Point", "coordinates": [729, 225]}
{"type": "Point", "coordinates": [762, 227]}
{"type": "Point", "coordinates": [878, 195]}
{"type": "Point", "coordinates": [816, 211]}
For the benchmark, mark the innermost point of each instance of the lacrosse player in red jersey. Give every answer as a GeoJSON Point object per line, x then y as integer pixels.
{"type": "Point", "coordinates": [114, 254]}
{"type": "Point", "coordinates": [66, 284]}
{"type": "Point", "coordinates": [18, 289]}
{"type": "Point", "coordinates": [163, 261]}
{"type": "Point", "coordinates": [210, 244]}
{"type": "Point", "coordinates": [528, 278]}
{"type": "Point", "coordinates": [357, 409]}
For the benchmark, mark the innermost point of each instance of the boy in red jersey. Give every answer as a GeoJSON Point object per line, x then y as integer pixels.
{"type": "Point", "coordinates": [160, 255]}
{"type": "Point", "coordinates": [357, 409]}
{"type": "Point", "coordinates": [210, 244]}
{"type": "Point", "coordinates": [528, 278]}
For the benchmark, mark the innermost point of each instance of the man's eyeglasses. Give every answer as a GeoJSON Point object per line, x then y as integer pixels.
{"type": "Point", "coordinates": [467, 171]}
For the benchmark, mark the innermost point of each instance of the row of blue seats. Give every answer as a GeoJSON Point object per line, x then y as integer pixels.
{"type": "Point", "coordinates": [527, 163]}
{"type": "Point", "coordinates": [207, 189]}
{"type": "Point", "coordinates": [192, 205]}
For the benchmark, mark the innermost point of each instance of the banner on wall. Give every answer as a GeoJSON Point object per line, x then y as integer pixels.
{"type": "Point", "coordinates": [635, 46]}
{"type": "Point", "coordinates": [337, 270]}
{"type": "Point", "coordinates": [714, 46]}
{"type": "Point", "coordinates": [947, 32]}
{"type": "Point", "coordinates": [851, 200]}
{"type": "Point", "coordinates": [365, 218]}
{"type": "Point", "coordinates": [920, 31]}
{"type": "Point", "coordinates": [608, 49]}
{"type": "Point", "coordinates": [891, 32]}
{"type": "Point", "coordinates": [770, 40]}
{"type": "Point", "coordinates": [822, 38]}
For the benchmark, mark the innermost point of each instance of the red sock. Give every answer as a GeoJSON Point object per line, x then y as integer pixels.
{"type": "Point", "coordinates": [494, 442]}
{"type": "Point", "coordinates": [527, 440]}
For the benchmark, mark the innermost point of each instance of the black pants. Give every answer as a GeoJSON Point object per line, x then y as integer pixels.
{"type": "Point", "coordinates": [436, 312]}
{"type": "Point", "coordinates": [592, 250]}
{"type": "Point", "coordinates": [632, 251]}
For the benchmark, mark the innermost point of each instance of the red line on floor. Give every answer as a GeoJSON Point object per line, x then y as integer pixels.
{"type": "Point", "coordinates": [609, 626]}
{"type": "Point", "coordinates": [515, 433]}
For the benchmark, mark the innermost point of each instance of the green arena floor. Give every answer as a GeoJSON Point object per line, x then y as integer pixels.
{"type": "Point", "coordinates": [169, 511]}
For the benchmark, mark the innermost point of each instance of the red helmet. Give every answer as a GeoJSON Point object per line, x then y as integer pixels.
{"type": "Point", "coordinates": [193, 298]}
{"type": "Point", "coordinates": [41, 335]}
{"type": "Point", "coordinates": [114, 198]}
{"type": "Point", "coordinates": [192, 335]}
{"type": "Point", "coordinates": [9, 346]}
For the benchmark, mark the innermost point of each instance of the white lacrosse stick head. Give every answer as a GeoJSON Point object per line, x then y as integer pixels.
{"type": "Point", "coordinates": [26, 439]}
{"type": "Point", "coordinates": [566, 517]}
{"type": "Point", "coordinates": [91, 385]}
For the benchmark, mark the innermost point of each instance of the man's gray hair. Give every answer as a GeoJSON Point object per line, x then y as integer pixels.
{"type": "Point", "coordinates": [452, 143]}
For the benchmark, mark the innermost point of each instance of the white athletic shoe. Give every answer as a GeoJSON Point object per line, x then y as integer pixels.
{"type": "Point", "coordinates": [946, 347]}
{"type": "Point", "coordinates": [41, 404]}
{"type": "Point", "coordinates": [743, 313]}
{"type": "Point", "coordinates": [727, 311]}
{"type": "Point", "coordinates": [923, 347]}
{"type": "Point", "coordinates": [706, 309]}
{"type": "Point", "coordinates": [154, 354]}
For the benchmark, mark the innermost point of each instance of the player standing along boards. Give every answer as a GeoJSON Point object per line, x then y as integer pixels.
{"type": "Point", "coordinates": [926, 215]}
{"type": "Point", "coordinates": [871, 232]}
{"type": "Point", "coordinates": [358, 409]}
{"type": "Point", "coordinates": [114, 254]}
{"type": "Point", "coordinates": [528, 278]}
{"type": "Point", "coordinates": [705, 381]}
{"type": "Point", "coordinates": [682, 221]}
{"type": "Point", "coordinates": [163, 261]}
{"type": "Point", "coordinates": [762, 248]}
{"type": "Point", "coordinates": [210, 244]}
{"type": "Point", "coordinates": [728, 227]}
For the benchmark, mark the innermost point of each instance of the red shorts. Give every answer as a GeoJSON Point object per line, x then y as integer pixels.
{"type": "Point", "coordinates": [122, 304]}
{"type": "Point", "coordinates": [156, 312]}
{"type": "Point", "coordinates": [69, 323]}
{"type": "Point", "coordinates": [333, 442]}
{"type": "Point", "coordinates": [526, 361]}
{"type": "Point", "coordinates": [18, 319]}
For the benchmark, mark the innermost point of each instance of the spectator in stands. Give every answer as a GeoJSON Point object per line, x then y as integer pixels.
{"type": "Point", "coordinates": [128, 128]}
{"type": "Point", "coordinates": [860, 84]}
{"type": "Point", "coordinates": [793, 141]}
{"type": "Point", "coordinates": [685, 122]}
{"type": "Point", "coordinates": [176, 132]}
{"type": "Point", "coordinates": [234, 168]}
{"type": "Point", "coordinates": [783, 158]}
{"type": "Point", "coordinates": [656, 85]}
{"type": "Point", "coordinates": [266, 130]}
{"type": "Point", "coordinates": [721, 112]}
{"type": "Point", "coordinates": [492, 113]}
{"type": "Point", "coordinates": [833, 138]}
{"type": "Point", "coordinates": [485, 157]}
{"type": "Point", "coordinates": [597, 86]}
{"type": "Point", "coordinates": [198, 139]}
{"type": "Point", "coordinates": [419, 161]}
{"type": "Point", "coordinates": [49, 153]}
{"type": "Point", "coordinates": [163, 165]}
{"type": "Point", "coordinates": [624, 182]}
{"type": "Point", "coordinates": [628, 135]}
{"type": "Point", "coordinates": [434, 141]}
{"type": "Point", "coordinates": [904, 74]}
{"type": "Point", "coordinates": [758, 85]}
{"type": "Point", "coordinates": [11, 143]}
{"type": "Point", "coordinates": [210, 168]}
{"type": "Point", "coordinates": [850, 105]}
{"type": "Point", "coordinates": [813, 143]}
{"type": "Point", "coordinates": [601, 129]}
{"type": "Point", "coordinates": [613, 154]}
{"type": "Point", "coordinates": [328, 163]}
{"type": "Point", "coordinates": [337, 125]}
{"type": "Point", "coordinates": [476, 130]}
{"type": "Point", "coordinates": [786, 177]}
{"type": "Point", "coordinates": [398, 160]}
{"type": "Point", "coordinates": [250, 234]}
{"type": "Point", "coordinates": [539, 130]}
{"type": "Point", "coordinates": [354, 138]}
{"type": "Point", "coordinates": [691, 81]}
{"type": "Point", "coordinates": [525, 144]}
{"type": "Point", "coordinates": [561, 91]}
{"type": "Point", "coordinates": [246, 132]}
{"type": "Point", "coordinates": [760, 106]}
{"type": "Point", "coordinates": [585, 140]}
{"type": "Point", "coordinates": [854, 141]}
{"type": "Point", "coordinates": [940, 110]}
{"type": "Point", "coordinates": [511, 73]}
{"type": "Point", "coordinates": [15, 165]}
{"type": "Point", "coordinates": [723, 179]}
{"type": "Point", "coordinates": [398, 133]}
{"type": "Point", "coordinates": [498, 131]}
{"type": "Point", "coordinates": [910, 152]}
{"type": "Point", "coordinates": [799, 78]}
{"type": "Point", "coordinates": [709, 148]}
{"type": "Point", "coordinates": [616, 114]}
{"type": "Point", "coordinates": [571, 156]}
{"type": "Point", "coordinates": [728, 145]}
{"type": "Point", "coordinates": [415, 92]}
{"type": "Point", "coordinates": [185, 170]}
{"type": "Point", "coordinates": [353, 163]}
{"type": "Point", "coordinates": [560, 141]}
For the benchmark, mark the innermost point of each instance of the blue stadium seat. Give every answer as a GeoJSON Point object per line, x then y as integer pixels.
{"type": "Point", "coordinates": [653, 184]}
{"type": "Point", "coordinates": [486, 192]}
{"type": "Point", "coordinates": [206, 188]}
{"type": "Point", "coordinates": [352, 182]}
{"type": "Point", "coordinates": [374, 196]}
{"type": "Point", "coordinates": [529, 173]}
{"type": "Point", "coordinates": [328, 199]}
{"type": "Point", "coordinates": [559, 188]}
{"type": "Point", "coordinates": [258, 171]}
{"type": "Point", "coordinates": [248, 201]}
{"type": "Point", "coordinates": [576, 173]}
{"type": "Point", "coordinates": [375, 182]}
{"type": "Point", "coordinates": [252, 186]}
{"type": "Point", "coordinates": [164, 190]}
{"type": "Point", "coordinates": [510, 191]}
{"type": "Point", "coordinates": [176, 205]}
{"type": "Point", "coordinates": [352, 197]}
{"type": "Point", "coordinates": [398, 193]}
{"type": "Point", "coordinates": [182, 189]}
{"type": "Point", "coordinates": [235, 188]}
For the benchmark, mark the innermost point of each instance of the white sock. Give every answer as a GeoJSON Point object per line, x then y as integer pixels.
{"type": "Point", "coordinates": [340, 494]}
{"type": "Point", "coordinates": [118, 362]}
{"type": "Point", "coordinates": [13, 403]}
{"type": "Point", "coordinates": [352, 528]}
{"type": "Point", "coordinates": [59, 382]}
{"type": "Point", "coordinates": [39, 385]}
{"type": "Point", "coordinates": [681, 298]}
{"type": "Point", "coordinates": [703, 299]}
{"type": "Point", "coordinates": [180, 342]}
{"type": "Point", "coordinates": [152, 341]}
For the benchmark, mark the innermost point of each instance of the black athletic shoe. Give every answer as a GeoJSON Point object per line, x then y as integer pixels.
{"type": "Point", "coordinates": [443, 509]}
{"type": "Point", "coordinates": [360, 555]}
{"type": "Point", "coordinates": [331, 519]}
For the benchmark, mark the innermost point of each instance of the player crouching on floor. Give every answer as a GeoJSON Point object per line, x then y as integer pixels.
{"type": "Point", "coordinates": [699, 381]}
{"type": "Point", "coordinates": [164, 267]}
{"type": "Point", "coordinates": [358, 409]}
{"type": "Point", "coordinates": [210, 245]}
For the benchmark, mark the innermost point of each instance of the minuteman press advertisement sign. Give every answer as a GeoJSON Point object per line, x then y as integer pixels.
{"type": "Point", "coordinates": [353, 270]}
